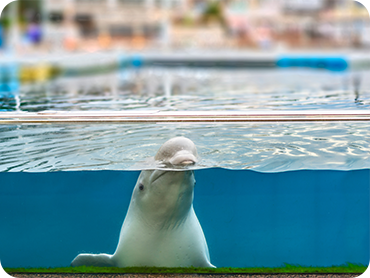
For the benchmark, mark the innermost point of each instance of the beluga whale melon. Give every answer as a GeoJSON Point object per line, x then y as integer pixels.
{"type": "Point", "coordinates": [161, 228]}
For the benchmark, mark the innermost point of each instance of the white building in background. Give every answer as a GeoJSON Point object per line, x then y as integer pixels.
{"type": "Point", "coordinates": [312, 5]}
{"type": "Point", "coordinates": [143, 21]}
{"type": "Point", "coordinates": [105, 15]}
{"type": "Point", "coordinates": [118, 19]}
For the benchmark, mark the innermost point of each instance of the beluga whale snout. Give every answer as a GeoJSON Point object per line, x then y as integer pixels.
{"type": "Point", "coordinates": [177, 151]}
{"type": "Point", "coordinates": [161, 228]}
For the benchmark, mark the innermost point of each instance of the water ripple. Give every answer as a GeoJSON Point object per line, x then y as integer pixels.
{"type": "Point", "coordinates": [196, 89]}
{"type": "Point", "coordinates": [262, 147]}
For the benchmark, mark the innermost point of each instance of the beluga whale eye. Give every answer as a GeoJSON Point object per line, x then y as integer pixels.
{"type": "Point", "coordinates": [141, 186]}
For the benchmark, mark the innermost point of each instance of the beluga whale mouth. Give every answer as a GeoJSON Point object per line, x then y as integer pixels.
{"type": "Point", "coordinates": [161, 228]}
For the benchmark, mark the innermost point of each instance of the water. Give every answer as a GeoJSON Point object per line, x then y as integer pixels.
{"type": "Point", "coordinates": [197, 89]}
{"type": "Point", "coordinates": [267, 147]}
{"type": "Point", "coordinates": [264, 147]}
{"type": "Point", "coordinates": [272, 193]}
{"type": "Point", "coordinates": [311, 218]}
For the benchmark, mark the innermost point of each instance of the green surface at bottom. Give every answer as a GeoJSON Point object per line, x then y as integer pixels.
{"type": "Point", "coordinates": [347, 268]}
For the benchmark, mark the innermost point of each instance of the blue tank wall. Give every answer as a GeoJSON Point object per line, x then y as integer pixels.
{"type": "Point", "coordinates": [311, 218]}
{"type": "Point", "coordinates": [318, 218]}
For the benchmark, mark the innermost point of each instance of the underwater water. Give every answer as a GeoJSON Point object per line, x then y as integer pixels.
{"type": "Point", "coordinates": [249, 218]}
{"type": "Point", "coordinates": [266, 193]}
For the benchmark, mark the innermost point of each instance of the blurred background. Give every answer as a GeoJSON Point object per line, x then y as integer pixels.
{"type": "Point", "coordinates": [29, 26]}
{"type": "Point", "coordinates": [97, 47]}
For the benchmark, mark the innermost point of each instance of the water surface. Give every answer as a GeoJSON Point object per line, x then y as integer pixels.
{"type": "Point", "coordinates": [268, 147]}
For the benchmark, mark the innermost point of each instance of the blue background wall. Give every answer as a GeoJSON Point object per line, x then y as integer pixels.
{"type": "Point", "coordinates": [318, 218]}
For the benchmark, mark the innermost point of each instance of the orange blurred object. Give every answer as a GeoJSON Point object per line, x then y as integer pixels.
{"type": "Point", "coordinates": [70, 43]}
{"type": "Point", "coordinates": [104, 41]}
{"type": "Point", "coordinates": [138, 42]}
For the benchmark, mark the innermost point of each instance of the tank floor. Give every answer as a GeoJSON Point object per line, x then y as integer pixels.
{"type": "Point", "coordinates": [110, 275]}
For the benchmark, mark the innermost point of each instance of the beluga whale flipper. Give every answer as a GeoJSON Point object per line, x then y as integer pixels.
{"type": "Point", "coordinates": [161, 228]}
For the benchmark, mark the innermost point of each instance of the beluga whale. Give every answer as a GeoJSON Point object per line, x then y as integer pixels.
{"type": "Point", "coordinates": [161, 228]}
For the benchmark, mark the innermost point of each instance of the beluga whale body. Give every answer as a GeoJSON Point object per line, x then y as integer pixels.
{"type": "Point", "coordinates": [161, 228]}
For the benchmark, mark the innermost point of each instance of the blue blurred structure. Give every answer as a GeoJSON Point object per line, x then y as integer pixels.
{"type": "Point", "coordinates": [249, 60]}
{"type": "Point", "coordinates": [316, 62]}
{"type": "Point", "coordinates": [135, 61]}
{"type": "Point", "coordinates": [9, 78]}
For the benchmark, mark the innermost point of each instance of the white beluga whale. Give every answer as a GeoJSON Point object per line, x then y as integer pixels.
{"type": "Point", "coordinates": [161, 228]}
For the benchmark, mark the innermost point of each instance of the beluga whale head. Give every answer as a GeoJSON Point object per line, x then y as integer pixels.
{"type": "Point", "coordinates": [161, 228]}
{"type": "Point", "coordinates": [165, 196]}
{"type": "Point", "coordinates": [177, 151]}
